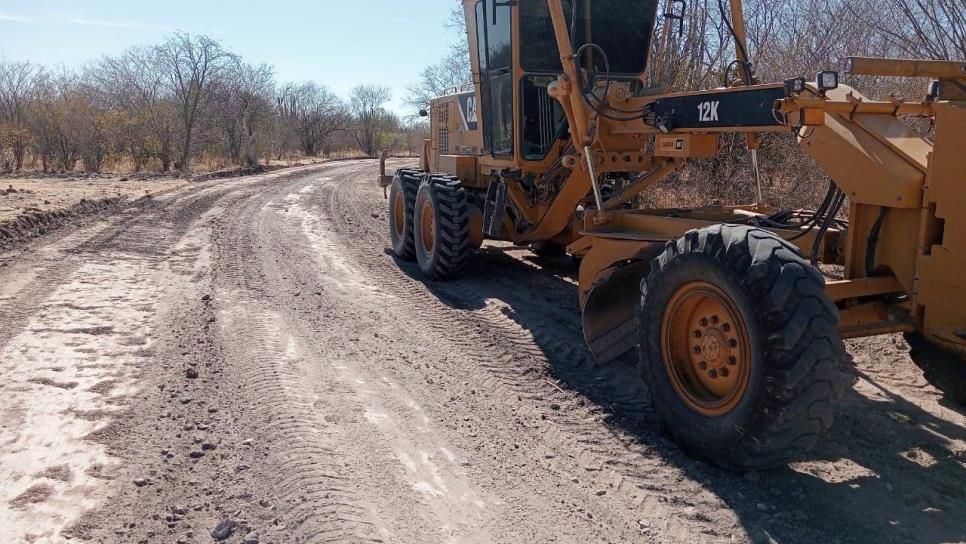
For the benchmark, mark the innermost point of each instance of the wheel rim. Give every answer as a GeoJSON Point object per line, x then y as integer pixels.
{"type": "Point", "coordinates": [427, 223]}
{"type": "Point", "coordinates": [399, 213]}
{"type": "Point", "coordinates": [705, 349]}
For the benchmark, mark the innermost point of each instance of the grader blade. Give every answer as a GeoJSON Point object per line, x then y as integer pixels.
{"type": "Point", "coordinates": [610, 320]}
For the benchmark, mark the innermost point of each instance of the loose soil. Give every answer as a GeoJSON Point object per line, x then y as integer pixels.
{"type": "Point", "coordinates": [31, 195]}
{"type": "Point", "coordinates": [243, 361]}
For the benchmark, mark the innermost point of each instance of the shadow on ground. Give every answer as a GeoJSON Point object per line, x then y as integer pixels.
{"type": "Point", "coordinates": [887, 472]}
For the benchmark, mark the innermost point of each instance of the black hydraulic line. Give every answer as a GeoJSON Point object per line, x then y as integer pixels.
{"type": "Point", "coordinates": [820, 237]}
{"type": "Point", "coordinates": [873, 243]}
{"type": "Point", "coordinates": [820, 213]}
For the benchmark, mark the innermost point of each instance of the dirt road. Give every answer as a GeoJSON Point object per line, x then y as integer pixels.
{"type": "Point", "coordinates": [243, 361]}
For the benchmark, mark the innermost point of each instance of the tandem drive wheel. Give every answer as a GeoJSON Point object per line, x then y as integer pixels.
{"type": "Point", "coordinates": [402, 205]}
{"type": "Point", "coordinates": [739, 347]}
{"type": "Point", "coordinates": [442, 227]}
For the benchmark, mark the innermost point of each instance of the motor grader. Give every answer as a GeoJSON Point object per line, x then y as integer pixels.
{"type": "Point", "coordinates": [737, 330]}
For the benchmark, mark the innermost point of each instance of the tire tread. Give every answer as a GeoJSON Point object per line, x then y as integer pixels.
{"type": "Point", "coordinates": [803, 353]}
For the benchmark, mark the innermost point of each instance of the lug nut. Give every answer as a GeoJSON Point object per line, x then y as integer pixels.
{"type": "Point", "coordinates": [725, 372]}
{"type": "Point", "coordinates": [713, 373]}
{"type": "Point", "coordinates": [733, 343]}
{"type": "Point", "coordinates": [726, 327]}
{"type": "Point", "coordinates": [715, 320]}
{"type": "Point", "coordinates": [697, 334]}
{"type": "Point", "coordinates": [703, 365]}
{"type": "Point", "coordinates": [733, 361]}
{"type": "Point", "coordinates": [697, 350]}
{"type": "Point", "coordinates": [704, 322]}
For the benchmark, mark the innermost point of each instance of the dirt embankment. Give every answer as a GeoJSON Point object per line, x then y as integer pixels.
{"type": "Point", "coordinates": [37, 204]}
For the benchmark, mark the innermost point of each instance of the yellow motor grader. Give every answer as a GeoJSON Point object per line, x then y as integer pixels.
{"type": "Point", "coordinates": [737, 330]}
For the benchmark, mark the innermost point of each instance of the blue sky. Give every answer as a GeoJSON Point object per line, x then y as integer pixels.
{"type": "Point", "coordinates": [339, 43]}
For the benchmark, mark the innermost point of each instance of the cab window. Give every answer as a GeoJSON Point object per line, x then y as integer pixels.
{"type": "Point", "coordinates": [621, 27]}
{"type": "Point", "coordinates": [494, 32]}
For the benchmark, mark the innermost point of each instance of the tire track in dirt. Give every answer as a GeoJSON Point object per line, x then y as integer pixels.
{"type": "Point", "coordinates": [82, 305]}
{"type": "Point", "coordinates": [543, 345]}
{"type": "Point", "coordinates": [318, 496]}
{"type": "Point", "coordinates": [84, 312]}
{"type": "Point", "coordinates": [507, 357]}
{"type": "Point", "coordinates": [533, 513]}
{"type": "Point", "coordinates": [405, 460]}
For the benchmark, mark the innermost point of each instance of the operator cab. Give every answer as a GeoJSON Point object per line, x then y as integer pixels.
{"type": "Point", "coordinates": [515, 58]}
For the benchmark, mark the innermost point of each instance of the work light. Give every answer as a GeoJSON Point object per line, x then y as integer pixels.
{"type": "Point", "coordinates": [827, 80]}
{"type": "Point", "coordinates": [794, 86]}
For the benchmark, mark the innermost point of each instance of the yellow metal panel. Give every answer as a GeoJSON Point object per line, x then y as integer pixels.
{"type": "Point", "coordinates": [605, 254]}
{"type": "Point", "coordinates": [461, 166]}
{"type": "Point", "coordinates": [936, 69]}
{"type": "Point", "coordinates": [864, 167]}
{"type": "Point", "coordinates": [846, 289]}
{"type": "Point", "coordinates": [896, 249]}
{"type": "Point", "coordinates": [942, 279]}
{"type": "Point", "coordinates": [899, 137]}
{"type": "Point", "coordinates": [873, 318]}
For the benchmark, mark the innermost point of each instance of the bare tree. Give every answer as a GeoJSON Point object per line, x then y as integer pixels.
{"type": "Point", "coordinates": [190, 64]}
{"type": "Point", "coordinates": [245, 97]}
{"type": "Point", "coordinates": [17, 85]}
{"type": "Point", "coordinates": [312, 113]}
{"type": "Point", "coordinates": [54, 124]}
{"type": "Point", "coordinates": [42, 130]}
{"type": "Point", "coordinates": [369, 116]}
{"type": "Point", "coordinates": [416, 133]}
{"type": "Point", "coordinates": [452, 70]}
{"type": "Point", "coordinates": [917, 28]}
{"type": "Point", "coordinates": [159, 107]}
{"type": "Point", "coordinates": [136, 83]}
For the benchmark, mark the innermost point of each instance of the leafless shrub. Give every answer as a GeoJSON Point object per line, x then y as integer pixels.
{"type": "Point", "coordinates": [17, 83]}
{"type": "Point", "coordinates": [372, 121]}
{"type": "Point", "coordinates": [186, 101]}
{"type": "Point", "coordinates": [311, 115]}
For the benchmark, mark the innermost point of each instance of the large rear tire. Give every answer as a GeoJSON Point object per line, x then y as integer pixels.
{"type": "Point", "coordinates": [442, 227]}
{"type": "Point", "coordinates": [402, 206]}
{"type": "Point", "coordinates": [739, 347]}
{"type": "Point", "coordinates": [946, 371]}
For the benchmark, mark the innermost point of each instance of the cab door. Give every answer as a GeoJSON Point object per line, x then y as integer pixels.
{"type": "Point", "coordinates": [494, 32]}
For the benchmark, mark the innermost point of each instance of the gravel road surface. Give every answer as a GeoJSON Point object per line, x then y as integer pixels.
{"type": "Point", "coordinates": [243, 361]}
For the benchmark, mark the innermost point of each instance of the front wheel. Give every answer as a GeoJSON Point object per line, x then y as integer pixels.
{"type": "Point", "coordinates": [739, 347]}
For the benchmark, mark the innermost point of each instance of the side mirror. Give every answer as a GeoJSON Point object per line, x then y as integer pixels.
{"type": "Point", "coordinates": [423, 113]}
